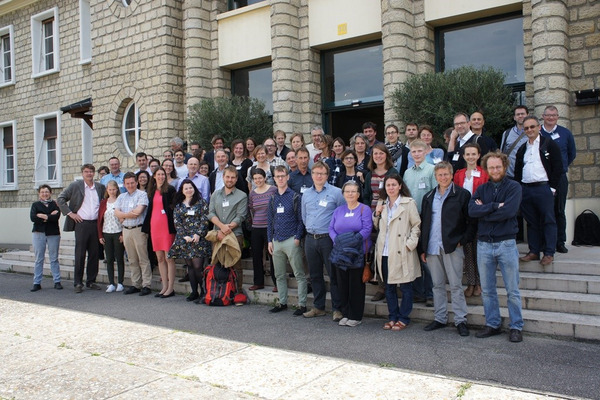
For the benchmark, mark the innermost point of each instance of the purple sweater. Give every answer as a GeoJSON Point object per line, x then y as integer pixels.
{"type": "Point", "coordinates": [357, 220]}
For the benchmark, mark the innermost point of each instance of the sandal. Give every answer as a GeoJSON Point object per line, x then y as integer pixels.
{"type": "Point", "coordinates": [388, 325]}
{"type": "Point", "coordinates": [398, 326]}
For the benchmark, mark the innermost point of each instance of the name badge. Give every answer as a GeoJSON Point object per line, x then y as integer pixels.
{"type": "Point", "coordinates": [422, 185]}
{"type": "Point", "coordinates": [323, 203]}
{"type": "Point", "coordinates": [191, 213]}
{"type": "Point", "coordinates": [436, 160]}
{"type": "Point", "coordinates": [349, 214]}
{"type": "Point", "coordinates": [280, 210]}
{"type": "Point", "coordinates": [455, 157]}
{"type": "Point", "coordinates": [238, 167]}
{"type": "Point", "coordinates": [337, 169]}
{"type": "Point", "coordinates": [381, 185]}
{"type": "Point", "coordinates": [225, 203]}
{"type": "Point", "coordinates": [162, 212]}
{"type": "Point", "coordinates": [303, 189]}
{"type": "Point", "coordinates": [555, 136]}
{"type": "Point", "coordinates": [475, 173]}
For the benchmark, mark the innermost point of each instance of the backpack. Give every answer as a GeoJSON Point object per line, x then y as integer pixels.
{"type": "Point", "coordinates": [587, 229]}
{"type": "Point", "coordinates": [220, 285]}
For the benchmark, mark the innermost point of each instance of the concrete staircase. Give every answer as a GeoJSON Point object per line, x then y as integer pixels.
{"type": "Point", "coordinates": [561, 300]}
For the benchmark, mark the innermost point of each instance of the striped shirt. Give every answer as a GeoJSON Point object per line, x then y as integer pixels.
{"type": "Point", "coordinates": [257, 204]}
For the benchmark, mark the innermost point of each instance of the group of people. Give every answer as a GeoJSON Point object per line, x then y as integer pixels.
{"type": "Point", "coordinates": [420, 215]}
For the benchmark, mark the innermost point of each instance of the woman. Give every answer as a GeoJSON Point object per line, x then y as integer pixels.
{"type": "Point", "coordinates": [358, 143]}
{"type": "Point", "coordinates": [350, 230]}
{"type": "Point", "coordinates": [143, 177]}
{"type": "Point", "coordinates": [471, 178]}
{"type": "Point", "coordinates": [432, 155]}
{"type": "Point", "coordinates": [334, 161]}
{"type": "Point", "coordinates": [297, 141]}
{"type": "Point", "coordinates": [396, 260]}
{"type": "Point", "coordinates": [169, 167]}
{"type": "Point", "coordinates": [324, 146]}
{"type": "Point", "coordinates": [110, 234]}
{"type": "Point", "coordinates": [380, 166]}
{"type": "Point", "coordinates": [103, 170]}
{"type": "Point", "coordinates": [349, 172]}
{"type": "Point", "coordinates": [203, 169]}
{"type": "Point", "coordinates": [159, 225]}
{"type": "Point", "coordinates": [260, 155]}
{"type": "Point", "coordinates": [44, 215]}
{"type": "Point", "coordinates": [240, 159]}
{"type": "Point", "coordinates": [250, 146]}
{"type": "Point", "coordinates": [191, 223]}
{"type": "Point", "coordinates": [258, 203]}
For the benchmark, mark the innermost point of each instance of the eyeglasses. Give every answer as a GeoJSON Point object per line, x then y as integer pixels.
{"type": "Point", "coordinates": [460, 123]}
{"type": "Point", "coordinates": [349, 158]}
{"type": "Point", "coordinates": [280, 176]}
{"type": "Point", "coordinates": [391, 132]}
{"type": "Point", "coordinates": [319, 173]}
{"type": "Point", "coordinates": [528, 128]}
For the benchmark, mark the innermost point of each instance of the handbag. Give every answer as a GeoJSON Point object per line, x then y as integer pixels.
{"type": "Point", "coordinates": [367, 272]}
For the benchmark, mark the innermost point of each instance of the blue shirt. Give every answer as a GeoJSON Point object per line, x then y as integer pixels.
{"type": "Point", "coordinates": [117, 178]}
{"type": "Point", "coordinates": [318, 207]}
{"type": "Point", "coordinates": [300, 183]}
{"type": "Point", "coordinates": [283, 220]}
{"type": "Point", "coordinates": [435, 239]}
{"type": "Point", "coordinates": [564, 139]}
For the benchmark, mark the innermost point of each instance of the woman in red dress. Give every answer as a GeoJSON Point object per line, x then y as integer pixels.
{"type": "Point", "coordinates": [159, 224]}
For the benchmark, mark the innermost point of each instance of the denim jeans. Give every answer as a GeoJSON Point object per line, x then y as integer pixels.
{"type": "Point", "coordinates": [396, 313]}
{"type": "Point", "coordinates": [506, 256]}
{"type": "Point", "coordinates": [39, 241]}
{"type": "Point", "coordinates": [317, 256]}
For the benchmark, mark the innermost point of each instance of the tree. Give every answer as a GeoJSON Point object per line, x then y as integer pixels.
{"type": "Point", "coordinates": [234, 118]}
{"type": "Point", "coordinates": [434, 99]}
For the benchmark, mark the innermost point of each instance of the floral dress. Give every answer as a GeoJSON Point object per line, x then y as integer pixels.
{"type": "Point", "coordinates": [189, 221]}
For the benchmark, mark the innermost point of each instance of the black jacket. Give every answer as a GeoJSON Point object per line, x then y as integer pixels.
{"type": "Point", "coordinates": [49, 227]}
{"type": "Point", "coordinates": [457, 226]}
{"type": "Point", "coordinates": [551, 159]}
{"type": "Point", "coordinates": [168, 206]}
{"type": "Point", "coordinates": [486, 144]}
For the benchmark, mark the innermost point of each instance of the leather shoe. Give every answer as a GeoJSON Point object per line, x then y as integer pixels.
{"type": "Point", "coordinates": [36, 287]}
{"type": "Point", "coordinates": [547, 260]}
{"type": "Point", "coordinates": [487, 332]}
{"type": "Point", "coordinates": [515, 336]}
{"type": "Point", "coordinates": [146, 291]}
{"type": "Point", "coordinates": [561, 248]}
{"type": "Point", "coordinates": [165, 296]}
{"type": "Point", "coordinates": [78, 288]}
{"type": "Point", "coordinates": [192, 297]}
{"type": "Point", "coordinates": [299, 311]}
{"type": "Point", "coordinates": [58, 286]}
{"type": "Point", "coordinates": [378, 296]}
{"type": "Point", "coordinates": [529, 257]}
{"type": "Point", "coordinates": [433, 326]}
{"type": "Point", "coordinates": [462, 329]}
{"type": "Point", "coordinates": [93, 286]}
{"type": "Point", "coordinates": [256, 287]}
{"type": "Point", "coordinates": [131, 290]}
{"type": "Point", "coordinates": [278, 308]}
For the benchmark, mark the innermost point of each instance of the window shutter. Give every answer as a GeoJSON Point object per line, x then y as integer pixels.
{"type": "Point", "coordinates": [50, 129]}
{"type": "Point", "coordinates": [8, 137]}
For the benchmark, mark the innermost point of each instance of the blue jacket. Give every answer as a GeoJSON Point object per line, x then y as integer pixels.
{"type": "Point", "coordinates": [348, 251]}
{"type": "Point", "coordinates": [496, 223]}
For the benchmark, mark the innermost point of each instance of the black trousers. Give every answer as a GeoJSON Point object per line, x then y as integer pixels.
{"type": "Point", "coordinates": [258, 242]}
{"type": "Point", "coordinates": [86, 242]}
{"type": "Point", "coordinates": [352, 292]}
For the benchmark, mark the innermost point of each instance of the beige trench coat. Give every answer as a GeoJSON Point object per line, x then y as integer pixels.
{"type": "Point", "coordinates": [403, 260]}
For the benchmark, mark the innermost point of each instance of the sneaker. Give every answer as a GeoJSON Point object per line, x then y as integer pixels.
{"type": "Point", "coordinates": [111, 288]}
{"type": "Point", "coordinates": [58, 286]}
{"type": "Point", "coordinates": [278, 308]}
{"type": "Point", "coordinates": [78, 288]}
{"type": "Point", "coordinates": [299, 311]}
{"type": "Point", "coordinates": [120, 288]}
{"type": "Point", "coordinates": [352, 323]}
{"type": "Point", "coordinates": [315, 312]}
{"type": "Point", "coordinates": [343, 321]}
{"type": "Point", "coordinates": [337, 316]}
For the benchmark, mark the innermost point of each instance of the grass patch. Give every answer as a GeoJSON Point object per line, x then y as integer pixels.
{"type": "Point", "coordinates": [463, 389]}
{"type": "Point", "coordinates": [387, 365]}
{"type": "Point", "coordinates": [96, 354]}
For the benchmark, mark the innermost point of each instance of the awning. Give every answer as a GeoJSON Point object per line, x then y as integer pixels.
{"type": "Point", "coordinates": [80, 110]}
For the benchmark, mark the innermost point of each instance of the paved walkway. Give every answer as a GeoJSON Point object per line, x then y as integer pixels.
{"type": "Point", "coordinates": [54, 353]}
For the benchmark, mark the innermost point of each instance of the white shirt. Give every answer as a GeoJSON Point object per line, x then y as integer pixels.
{"type": "Point", "coordinates": [533, 169]}
{"type": "Point", "coordinates": [89, 208]}
{"type": "Point", "coordinates": [464, 139]}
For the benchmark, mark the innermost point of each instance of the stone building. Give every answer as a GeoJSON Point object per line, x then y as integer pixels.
{"type": "Point", "coordinates": [124, 72]}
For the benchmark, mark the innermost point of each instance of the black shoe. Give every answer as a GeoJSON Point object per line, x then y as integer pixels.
{"type": "Point", "coordinates": [515, 336]}
{"type": "Point", "coordinates": [131, 290]}
{"type": "Point", "coordinates": [199, 300]}
{"type": "Point", "coordinates": [186, 278]}
{"type": "Point", "coordinates": [308, 288]}
{"type": "Point", "coordinates": [487, 332]}
{"type": "Point", "coordinates": [78, 288]}
{"type": "Point", "coordinates": [299, 311]}
{"type": "Point", "coordinates": [159, 294]}
{"type": "Point", "coordinates": [462, 329]}
{"type": "Point", "coordinates": [58, 286]}
{"type": "Point", "coordinates": [433, 326]}
{"type": "Point", "coordinates": [146, 291]}
{"type": "Point", "coordinates": [561, 248]}
{"type": "Point", "coordinates": [429, 303]}
{"type": "Point", "coordinates": [192, 297]}
{"type": "Point", "coordinates": [418, 299]}
{"type": "Point", "coordinates": [291, 275]}
{"type": "Point", "coordinates": [36, 287]}
{"type": "Point", "coordinates": [278, 308]}
{"type": "Point", "coordinates": [93, 286]}
{"type": "Point", "coordinates": [165, 296]}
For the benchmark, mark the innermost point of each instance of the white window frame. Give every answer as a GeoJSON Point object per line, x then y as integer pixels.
{"type": "Point", "coordinates": [137, 128]}
{"type": "Point", "coordinates": [87, 144]}
{"type": "Point", "coordinates": [41, 151]}
{"type": "Point", "coordinates": [7, 30]}
{"type": "Point", "coordinates": [85, 32]}
{"type": "Point", "coordinates": [4, 185]}
{"type": "Point", "coordinates": [37, 43]}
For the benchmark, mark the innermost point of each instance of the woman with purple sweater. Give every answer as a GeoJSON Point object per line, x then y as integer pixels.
{"type": "Point", "coordinates": [350, 230]}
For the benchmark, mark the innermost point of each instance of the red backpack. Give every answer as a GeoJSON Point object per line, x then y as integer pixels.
{"type": "Point", "coordinates": [221, 285]}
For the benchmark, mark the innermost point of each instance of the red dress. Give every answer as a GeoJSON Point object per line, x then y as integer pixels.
{"type": "Point", "coordinates": [159, 225]}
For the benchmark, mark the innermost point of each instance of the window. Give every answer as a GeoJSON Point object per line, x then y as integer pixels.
{"type": "Point", "coordinates": [126, 3]}
{"type": "Point", "coordinates": [235, 4]}
{"type": "Point", "coordinates": [254, 82]}
{"type": "Point", "coordinates": [132, 128]}
{"type": "Point", "coordinates": [45, 42]}
{"type": "Point", "coordinates": [8, 170]}
{"type": "Point", "coordinates": [7, 56]}
{"type": "Point", "coordinates": [47, 149]}
{"type": "Point", "coordinates": [85, 32]}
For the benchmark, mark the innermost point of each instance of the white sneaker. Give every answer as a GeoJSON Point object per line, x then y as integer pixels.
{"type": "Point", "coordinates": [120, 288]}
{"type": "Point", "coordinates": [353, 323]}
{"type": "Point", "coordinates": [343, 321]}
{"type": "Point", "coordinates": [110, 288]}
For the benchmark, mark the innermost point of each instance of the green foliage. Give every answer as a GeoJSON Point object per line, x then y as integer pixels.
{"type": "Point", "coordinates": [434, 99]}
{"type": "Point", "coordinates": [234, 118]}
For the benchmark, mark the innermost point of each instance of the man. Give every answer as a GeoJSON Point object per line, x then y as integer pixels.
{"type": "Point", "coordinates": [154, 164]}
{"type": "Point", "coordinates": [180, 164]}
{"type": "Point", "coordinates": [318, 204]}
{"type": "Point", "coordinates": [445, 228]}
{"type": "Point", "coordinates": [420, 180]}
{"type": "Point", "coordinates": [538, 168]}
{"type": "Point", "coordinates": [272, 159]}
{"type": "Point", "coordinates": [496, 204]}
{"type": "Point", "coordinates": [168, 154]}
{"type": "Point", "coordinates": [141, 159]}
{"type": "Point", "coordinates": [301, 179]}
{"type": "Point", "coordinates": [411, 132]}
{"type": "Point", "coordinates": [130, 208]}
{"type": "Point", "coordinates": [397, 150]}
{"type": "Point", "coordinates": [194, 147]}
{"type": "Point", "coordinates": [199, 180]}
{"type": "Point", "coordinates": [177, 144]}
{"type": "Point", "coordinates": [485, 143]}
{"type": "Point", "coordinates": [290, 160]}
{"type": "Point", "coordinates": [80, 202]}
{"type": "Point", "coordinates": [370, 131]}
{"type": "Point", "coordinates": [281, 150]}
{"type": "Point", "coordinates": [460, 136]}
{"type": "Point", "coordinates": [564, 139]}
{"type": "Point", "coordinates": [315, 133]}
{"type": "Point", "coordinates": [227, 210]}
{"type": "Point", "coordinates": [114, 164]}
{"type": "Point", "coordinates": [216, 176]}
{"type": "Point", "coordinates": [513, 138]}
{"type": "Point", "coordinates": [284, 233]}
{"type": "Point", "coordinates": [217, 143]}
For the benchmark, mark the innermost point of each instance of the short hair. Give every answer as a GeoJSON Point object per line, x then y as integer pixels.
{"type": "Point", "coordinates": [220, 151]}
{"type": "Point", "coordinates": [533, 117]}
{"type": "Point", "coordinates": [215, 138]}
{"type": "Point", "coordinates": [443, 165]}
{"type": "Point", "coordinates": [88, 166]}
{"type": "Point", "coordinates": [168, 151]}
{"type": "Point", "coordinates": [418, 143]}
{"type": "Point", "coordinates": [551, 108]}
{"type": "Point", "coordinates": [297, 134]}
{"type": "Point", "coordinates": [350, 152]}
{"type": "Point", "coordinates": [351, 183]}
{"type": "Point", "coordinates": [477, 112]}
{"type": "Point", "coordinates": [356, 136]}
{"type": "Point", "coordinates": [427, 128]}
{"type": "Point", "coordinates": [392, 126]}
{"type": "Point", "coordinates": [258, 171]}
{"type": "Point", "coordinates": [473, 145]}
{"type": "Point", "coordinates": [266, 139]}
{"type": "Point", "coordinates": [461, 114]}
{"type": "Point", "coordinates": [129, 175]}
{"type": "Point", "coordinates": [230, 168]}
{"type": "Point", "coordinates": [388, 158]}
{"type": "Point", "coordinates": [411, 124]}
{"type": "Point", "coordinates": [524, 107]}
{"type": "Point", "coordinates": [281, 168]}
{"type": "Point", "coordinates": [279, 132]}
{"type": "Point", "coordinates": [114, 158]}
{"type": "Point", "coordinates": [321, 164]}
{"type": "Point", "coordinates": [368, 125]}
{"type": "Point", "coordinates": [141, 154]}
{"type": "Point", "coordinates": [178, 141]}
{"type": "Point", "coordinates": [495, 154]}
{"type": "Point", "coordinates": [103, 168]}
{"type": "Point", "coordinates": [258, 148]}
{"type": "Point", "coordinates": [194, 143]}
{"type": "Point", "coordinates": [303, 150]}
{"type": "Point", "coordinates": [154, 160]}
{"type": "Point", "coordinates": [44, 186]}
{"type": "Point", "coordinates": [111, 183]}
{"type": "Point", "coordinates": [317, 128]}
{"type": "Point", "coordinates": [179, 151]}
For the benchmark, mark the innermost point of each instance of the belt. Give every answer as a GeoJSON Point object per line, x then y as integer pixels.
{"type": "Point", "coordinates": [535, 184]}
{"type": "Point", "coordinates": [91, 221]}
{"type": "Point", "coordinates": [132, 227]}
{"type": "Point", "coordinates": [317, 236]}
